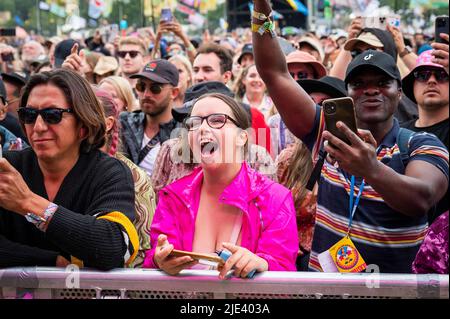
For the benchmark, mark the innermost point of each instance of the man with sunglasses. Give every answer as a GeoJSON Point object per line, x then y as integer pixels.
{"type": "Point", "coordinates": [132, 56]}
{"type": "Point", "coordinates": [144, 131]}
{"type": "Point", "coordinates": [427, 85]}
{"type": "Point", "coordinates": [368, 192]}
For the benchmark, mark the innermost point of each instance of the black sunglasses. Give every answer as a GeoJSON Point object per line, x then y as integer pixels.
{"type": "Point", "coordinates": [216, 121]}
{"type": "Point", "coordinates": [300, 75]}
{"type": "Point", "coordinates": [424, 75]}
{"type": "Point", "coordinates": [154, 88]}
{"type": "Point", "coordinates": [28, 115]}
{"type": "Point", "coordinates": [132, 54]}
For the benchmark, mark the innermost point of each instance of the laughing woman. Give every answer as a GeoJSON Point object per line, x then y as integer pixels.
{"type": "Point", "coordinates": [223, 204]}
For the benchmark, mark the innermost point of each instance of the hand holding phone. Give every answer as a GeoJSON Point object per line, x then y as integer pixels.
{"type": "Point", "coordinates": [339, 109]}
{"type": "Point", "coordinates": [166, 15]}
{"type": "Point", "coordinates": [441, 26]}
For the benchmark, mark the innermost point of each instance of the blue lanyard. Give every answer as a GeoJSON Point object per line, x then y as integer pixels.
{"type": "Point", "coordinates": [353, 206]}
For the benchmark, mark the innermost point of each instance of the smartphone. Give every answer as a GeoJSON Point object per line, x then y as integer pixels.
{"type": "Point", "coordinates": [7, 57]}
{"type": "Point", "coordinates": [166, 15]}
{"type": "Point", "coordinates": [198, 256]}
{"type": "Point", "coordinates": [339, 109]}
{"type": "Point", "coordinates": [7, 32]}
{"type": "Point", "coordinates": [381, 22]}
{"type": "Point", "coordinates": [441, 26]}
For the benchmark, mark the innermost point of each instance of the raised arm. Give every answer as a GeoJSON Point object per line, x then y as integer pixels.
{"type": "Point", "coordinates": [296, 108]}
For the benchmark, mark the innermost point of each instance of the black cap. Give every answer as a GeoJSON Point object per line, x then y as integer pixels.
{"type": "Point", "coordinates": [374, 59]}
{"type": "Point", "coordinates": [63, 50]}
{"type": "Point", "coordinates": [247, 49]}
{"type": "Point", "coordinates": [159, 71]}
{"type": "Point", "coordinates": [329, 85]}
{"type": "Point", "coordinates": [18, 78]}
{"type": "Point", "coordinates": [194, 92]}
{"type": "Point", "coordinates": [2, 91]}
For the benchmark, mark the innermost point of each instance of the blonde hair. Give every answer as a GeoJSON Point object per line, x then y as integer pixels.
{"type": "Point", "coordinates": [239, 87]}
{"type": "Point", "coordinates": [133, 41]}
{"type": "Point", "coordinates": [187, 65]}
{"type": "Point", "coordinates": [123, 90]}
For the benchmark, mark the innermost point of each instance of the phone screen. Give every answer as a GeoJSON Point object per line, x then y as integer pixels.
{"type": "Point", "coordinates": [166, 15]}
{"type": "Point", "coordinates": [7, 57]}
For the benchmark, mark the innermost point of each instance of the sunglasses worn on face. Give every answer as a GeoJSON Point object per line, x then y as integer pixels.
{"type": "Point", "coordinates": [216, 121]}
{"type": "Point", "coordinates": [28, 115]}
{"type": "Point", "coordinates": [300, 75]}
{"type": "Point", "coordinates": [424, 75]}
{"type": "Point", "coordinates": [154, 88]}
{"type": "Point", "coordinates": [132, 54]}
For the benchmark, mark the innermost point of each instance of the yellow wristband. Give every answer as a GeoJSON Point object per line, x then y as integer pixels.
{"type": "Point", "coordinates": [256, 27]}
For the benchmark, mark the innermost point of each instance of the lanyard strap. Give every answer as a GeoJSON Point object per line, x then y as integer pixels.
{"type": "Point", "coordinates": [353, 206]}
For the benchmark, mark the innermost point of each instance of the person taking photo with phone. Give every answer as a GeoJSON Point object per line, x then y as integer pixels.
{"type": "Point", "coordinates": [373, 192]}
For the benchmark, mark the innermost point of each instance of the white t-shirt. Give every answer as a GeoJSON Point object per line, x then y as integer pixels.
{"type": "Point", "coordinates": [148, 162]}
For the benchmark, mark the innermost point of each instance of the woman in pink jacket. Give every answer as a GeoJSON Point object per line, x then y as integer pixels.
{"type": "Point", "coordinates": [223, 204]}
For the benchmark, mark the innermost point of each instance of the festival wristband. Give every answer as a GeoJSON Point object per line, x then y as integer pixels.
{"type": "Point", "coordinates": [260, 16]}
{"type": "Point", "coordinates": [41, 222]}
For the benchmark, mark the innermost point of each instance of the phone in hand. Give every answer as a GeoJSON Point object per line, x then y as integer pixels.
{"type": "Point", "coordinates": [7, 57]}
{"type": "Point", "coordinates": [441, 26]}
{"type": "Point", "coordinates": [202, 258]}
{"type": "Point", "coordinates": [166, 15]}
{"type": "Point", "coordinates": [7, 32]}
{"type": "Point", "coordinates": [381, 22]}
{"type": "Point", "coordinates": [339, 109]}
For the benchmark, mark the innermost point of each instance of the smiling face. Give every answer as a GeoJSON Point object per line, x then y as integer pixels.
{"type": "Point", "coordinates": [53, 142]}
{"type": "Point", "coordinates": [375, 94]}
{"type": "Point", "coordinates": [253, 82]}
{"type": "Point", "coordinates": [213, 147]}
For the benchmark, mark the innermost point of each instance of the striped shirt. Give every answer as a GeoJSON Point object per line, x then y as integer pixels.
{"type": "Point", "coordinates": [384, 237]}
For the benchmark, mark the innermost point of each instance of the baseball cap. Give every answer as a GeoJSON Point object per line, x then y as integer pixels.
{"type": "Point", "coordinates": [365, 37]}
{"type": "Point", "coordinates": [332, 86]}
{"type": "Point", "coordinates": [424, 60]}
{"type": "Point", "coordinates": [2, 91]}
{"type": "Point", "coordinates": [18, 78]}
{"type": "Point", "coordinates": [315, 44]}
{"type": "Point", "coordinates": [306, 58]}
{"type": "Point", "coordinates": [106, 64]}
{"type": "Point", "coordinates": [63, 49]}
{"type": "Point", "coordinates": [374, 59]}
{"type": "Point", "coordinates": [247, 49]}
{"type": "Point", "coordinates": [159, 71]}
{"type": "Point", "coordinates": [194, 92]}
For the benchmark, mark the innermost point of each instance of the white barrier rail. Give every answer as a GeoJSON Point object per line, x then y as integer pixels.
{"type": "Point", "coordinates": [71, 283]}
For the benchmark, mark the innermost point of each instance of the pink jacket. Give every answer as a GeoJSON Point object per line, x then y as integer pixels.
{"type": "Point", "coordinates": [269, 227]}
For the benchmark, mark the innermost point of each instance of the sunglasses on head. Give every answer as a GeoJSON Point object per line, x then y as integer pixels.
{"type": "Point", "coordinates": [424, 75]}
{"type": "Point", "coordinates": [132, 54]}
{"type": "Point", "coordinates": [53, 115]}
{"type": "Point", "coordinates": [299, 75]}
{"type": "Point", "coordinates": [154, 88]}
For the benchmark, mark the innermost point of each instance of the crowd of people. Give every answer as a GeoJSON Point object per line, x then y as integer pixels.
{"type": "Point", "coordinates": [116, 153]}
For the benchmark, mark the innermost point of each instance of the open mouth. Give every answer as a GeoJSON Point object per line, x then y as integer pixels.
{"type": "Point", "coordinates": [208, 147]}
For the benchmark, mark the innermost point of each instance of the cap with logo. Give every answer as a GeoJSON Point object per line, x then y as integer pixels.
{"type": "Point", "coordinates": [423, 61]}
{"type": "Point", "coordinates": [194, 92]}
{"type": "Point", "coordinates": [375, 60]}
{"type": "Point", "coordinates": [247, 49]}
{"type": "Point", "coordinates": [159, 71]}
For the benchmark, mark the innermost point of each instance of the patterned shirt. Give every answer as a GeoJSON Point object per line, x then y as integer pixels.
{"type": "Point", "coordinates": [384, 237]}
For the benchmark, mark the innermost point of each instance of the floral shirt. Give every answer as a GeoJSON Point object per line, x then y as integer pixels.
{"type": "Point", "coordinates": [432, 257]}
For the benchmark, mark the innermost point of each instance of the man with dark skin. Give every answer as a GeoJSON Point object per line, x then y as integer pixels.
{"type": "Point", "coordinates": [403, 196]}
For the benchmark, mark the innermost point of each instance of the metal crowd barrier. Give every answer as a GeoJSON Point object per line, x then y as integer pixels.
{"type": "Point", "coordinates": [71, 283]}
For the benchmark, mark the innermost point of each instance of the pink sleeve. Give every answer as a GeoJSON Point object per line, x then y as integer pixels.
{"type": "Point", "coordinates": [164, 222]}
{"type": "Point", "coordinates": [279, 242]}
